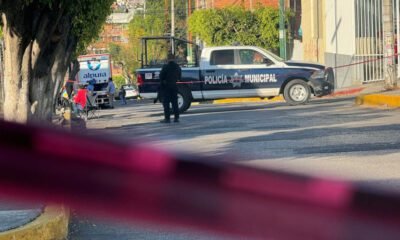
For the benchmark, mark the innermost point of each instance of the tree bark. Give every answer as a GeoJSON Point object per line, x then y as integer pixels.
{"type": "Point", "coordinates": [38, 47]}
{"type": "Point", "coordinates": [16, 91]}
{"type": "Point", "coordinates": [73, 69]}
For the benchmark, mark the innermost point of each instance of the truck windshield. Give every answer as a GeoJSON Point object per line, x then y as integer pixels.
{"type": "Point", "coordinates": [100, 87]}
{"type": "Point", "coordinates": [272, 55]}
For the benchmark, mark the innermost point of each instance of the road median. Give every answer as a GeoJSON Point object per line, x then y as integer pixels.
{"type": "Point", "coordinates": [51, 225]}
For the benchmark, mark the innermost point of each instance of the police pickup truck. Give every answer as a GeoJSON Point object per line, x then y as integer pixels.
{"type": "Point", "coordinates": [231, 72]}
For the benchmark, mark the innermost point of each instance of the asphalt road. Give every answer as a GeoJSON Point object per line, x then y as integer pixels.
{"type": "Point", "coordinates": [327, 137]}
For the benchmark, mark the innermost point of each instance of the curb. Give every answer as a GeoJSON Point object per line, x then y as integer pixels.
{"type": "Point", "coordinates": [379, 100]}
{"type": "Point", "coordinates": [241, 100]}
{"type": "Point", "coordinates": [346, 92]}
{"type": "Point", "coordinates": [51, 225]}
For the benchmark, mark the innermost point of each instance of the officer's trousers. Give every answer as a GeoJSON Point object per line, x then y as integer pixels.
{"type": "Point", "coordinates": [170, 96]}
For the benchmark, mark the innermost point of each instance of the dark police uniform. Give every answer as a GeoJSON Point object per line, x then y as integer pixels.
{"type": "Point", "coordinates": [169, 75]}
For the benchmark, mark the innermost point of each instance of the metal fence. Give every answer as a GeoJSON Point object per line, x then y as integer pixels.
{"type": "Point", "coordinates": [369, 39]}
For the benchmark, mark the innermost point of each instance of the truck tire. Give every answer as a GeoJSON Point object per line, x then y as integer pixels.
{"type": "Point", "coordinates": [184, 99]}
{"type": "Point", "coordinates": [330, 78]}
{"type": "Point", "coordinates": [297, 92]}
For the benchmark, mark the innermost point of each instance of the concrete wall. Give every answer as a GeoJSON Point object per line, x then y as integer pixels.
{"type": "Point", "coordinates": [329, 36]}
{"type": "Point", "coordinates": [340, 40]}
{"type": "Point", "coordinates": [340, 27]}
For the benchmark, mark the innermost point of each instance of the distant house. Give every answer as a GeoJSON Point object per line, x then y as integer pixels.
{"type": "Point", "coordinates": [248, 4]}
{"type": "Point", "coordinates": [114, 31]}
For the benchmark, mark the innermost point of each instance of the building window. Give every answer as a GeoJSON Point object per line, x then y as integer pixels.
{"type": "Point", "coordinates": [117, 27]}
{"type": "Point", "coordinates": [116, 39]}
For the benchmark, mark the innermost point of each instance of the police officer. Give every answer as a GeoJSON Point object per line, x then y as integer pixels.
{"type": "Point", "coordinates": [169, 75]}
{"type": "Point", "coordinates": [111, 92]}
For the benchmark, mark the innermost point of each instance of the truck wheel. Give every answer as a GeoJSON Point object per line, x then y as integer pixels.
{"type": "Point", "coordinates": [330, 78]}
{"type": "Point", "coordinates": [184, 100]}
{"type": "Point", "coordinates": [297, 92]}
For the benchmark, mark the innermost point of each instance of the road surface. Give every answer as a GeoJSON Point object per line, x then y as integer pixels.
{"type": "Point", "coordinates": [327, 137]}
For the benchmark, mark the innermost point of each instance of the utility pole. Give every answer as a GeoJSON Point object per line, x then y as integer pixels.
{"type": "Point", "coordinates": [173, 18]}
{"type": "Point", "coordinates": [189, 12]}
{"type": "Point", "coordinates": [144, 9]}
{"type": "Point", "coordinates": [389, 66]}
{"type": "Point", "coordinates": [166, 16]}
{"type": "Point", "coordinates": [282, 31]}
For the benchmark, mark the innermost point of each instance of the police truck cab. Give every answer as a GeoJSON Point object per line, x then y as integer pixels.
{"type": "Point", "coordinates": [230, 72]}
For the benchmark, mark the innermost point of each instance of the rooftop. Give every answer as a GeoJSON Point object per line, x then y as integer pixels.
{"type": "Point", "coordinates": [120, 18]}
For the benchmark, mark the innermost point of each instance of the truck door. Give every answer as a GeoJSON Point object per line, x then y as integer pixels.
{"type": "Point", "coordinates": [216, 75]}
{"type": "Point", "coordinates": [257, 75]}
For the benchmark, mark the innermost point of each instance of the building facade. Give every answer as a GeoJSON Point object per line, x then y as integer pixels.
{"type": "Point", "coordinates": [348, 36]}
{"type": "Point", "coordinates": [115, 31]}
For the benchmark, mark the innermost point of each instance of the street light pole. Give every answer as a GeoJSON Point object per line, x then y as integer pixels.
{"type": "Point", "coordinates": [390, 67]}
{"type": "Point", "coordinates": [282, 31]}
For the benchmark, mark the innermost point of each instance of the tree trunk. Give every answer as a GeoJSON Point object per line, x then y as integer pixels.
{"type": "Point", "coordinates": [36, 59]}
{"type": "Point", "coordinates": [73, 69]}
{"type": "Point", "coordinates": [16, 91]}
{"type": "Point", "coordinates": [1, 78]}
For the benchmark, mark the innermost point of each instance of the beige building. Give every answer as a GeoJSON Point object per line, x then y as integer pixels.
{"type": "Point", "coordinates": [313, 28]}
{"type": "Point", "coordinates": [348, 36]}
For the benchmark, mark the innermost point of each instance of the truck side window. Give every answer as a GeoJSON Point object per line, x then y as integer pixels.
{"type": "Point", "coordinates": [222, 57]}
{"type": "Point", "coordinates": [248, 56]}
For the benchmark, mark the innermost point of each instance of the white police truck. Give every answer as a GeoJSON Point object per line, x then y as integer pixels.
{"type": "Point", "coordinates": [230, 72]}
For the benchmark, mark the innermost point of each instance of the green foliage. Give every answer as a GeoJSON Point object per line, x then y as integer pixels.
{"type": "Point", "coordinates": [151, 23]}
{"type": "Point", "coordinates": [124, 56]}
{"type": "Point", "coordinates": [87, 16]}
{"type": "Point", "coordinates": [232, 25]}
{"type": "Point", "coordinates": [154, 22]}
{"type": "Point", "coordinates": [119, 81]}
{"type": "Point", "coordinates": [115, 51]}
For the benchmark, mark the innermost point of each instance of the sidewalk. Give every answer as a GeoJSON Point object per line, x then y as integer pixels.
{"type": "Point", "coordinates": [372, 95]}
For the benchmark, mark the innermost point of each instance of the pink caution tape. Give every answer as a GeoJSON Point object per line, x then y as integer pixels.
{"type": "Point", "coordinates": [138, 182]}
